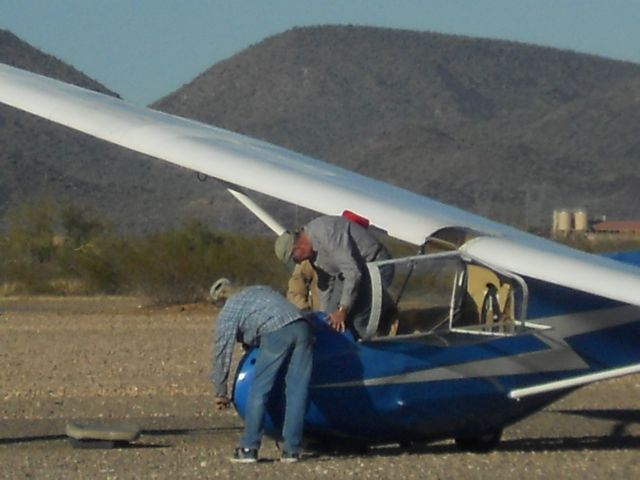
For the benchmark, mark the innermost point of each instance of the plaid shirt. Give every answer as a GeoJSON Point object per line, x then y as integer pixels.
{"type": "Point", "coordinates": [246, 316]}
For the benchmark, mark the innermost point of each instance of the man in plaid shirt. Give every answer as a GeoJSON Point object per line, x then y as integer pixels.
{"type": "Point", "coordinates": [259, 315]}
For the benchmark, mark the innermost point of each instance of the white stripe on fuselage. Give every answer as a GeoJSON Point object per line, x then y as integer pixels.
{"type": "Point", "coordinates": [558, 357]}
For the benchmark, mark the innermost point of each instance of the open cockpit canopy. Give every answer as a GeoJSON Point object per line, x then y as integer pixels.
{"type": "Point", "coordinates": [440, 293]}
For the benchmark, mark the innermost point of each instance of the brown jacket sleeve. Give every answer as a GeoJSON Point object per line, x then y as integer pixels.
{"type": "Point", "coordinates": [303, 287]}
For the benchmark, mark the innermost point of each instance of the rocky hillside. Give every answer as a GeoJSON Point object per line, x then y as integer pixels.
{"type": "Point", "coordinates": [507, 130]}
{"type": "Point", "coordinates": [40, 161]}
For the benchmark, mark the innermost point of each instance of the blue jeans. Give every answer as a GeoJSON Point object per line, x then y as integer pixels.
{"type": "Point", "coordinates": [290, 347]}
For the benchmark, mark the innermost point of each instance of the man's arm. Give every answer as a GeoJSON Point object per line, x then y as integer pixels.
{"type": "Point", "coordinates": [223, 351]}
{"type": "Point", "coordinates": [345, 259]}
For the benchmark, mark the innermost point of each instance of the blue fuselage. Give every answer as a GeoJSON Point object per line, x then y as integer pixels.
{"type": "Point", "coordinates": [425, 387]}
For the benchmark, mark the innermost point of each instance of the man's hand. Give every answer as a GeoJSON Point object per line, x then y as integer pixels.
{"type": "Point", "coordinates": [222, 402]}
{"type": "Point", "coordinates": [337, 319]}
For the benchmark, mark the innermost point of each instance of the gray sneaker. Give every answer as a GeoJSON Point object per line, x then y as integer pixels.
{"type": "Point", "coordinates": [244, 455]}
{"type": "Point", "coordinates": [288, 457]}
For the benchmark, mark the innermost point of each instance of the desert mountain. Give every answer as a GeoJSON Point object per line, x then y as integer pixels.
{"type": "Point", "coordinates": [507, 130]}
{"type": "Point", "coordinates": [41, 161]}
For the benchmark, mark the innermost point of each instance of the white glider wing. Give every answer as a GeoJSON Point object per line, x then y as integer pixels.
{"type": "Point", "coordinates": [303, 181]}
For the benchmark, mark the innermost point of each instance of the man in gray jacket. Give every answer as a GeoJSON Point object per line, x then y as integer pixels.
{"type": "Point", "coordinates": [338, 249]}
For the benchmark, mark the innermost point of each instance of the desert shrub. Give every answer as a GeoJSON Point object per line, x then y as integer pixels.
{"type": "Point", "coordinates": [81, 226]}
{"type": "Point", "coordinates": [53, 249]}
{"type": "Point", "coordinates": [89, 256]}
{"type": "Point", "coordinates": [169, 267]}
{"type": "Point", "coordinates": [29, 246]}
{"type": "Point", "coordinates": [180, 265]}
{"type": "Point", "coordinates": [97, 266]}
{"type": "Point", "coordinates": [4, 259]}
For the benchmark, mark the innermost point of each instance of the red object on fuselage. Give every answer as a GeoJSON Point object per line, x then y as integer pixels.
{"type": "Point", "coordinates": [354, 217]}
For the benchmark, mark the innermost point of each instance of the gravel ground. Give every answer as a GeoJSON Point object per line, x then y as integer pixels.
{"type": "Point", "coordinates": [117, 359]}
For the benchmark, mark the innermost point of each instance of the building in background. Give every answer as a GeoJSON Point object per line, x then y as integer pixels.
{"type": "Point", "coordinates": [568, 221]}
{"type": "Point", "coordinates": [575, 222]}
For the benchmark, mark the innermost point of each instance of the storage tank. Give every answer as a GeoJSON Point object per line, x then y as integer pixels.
{"type": "Point", "coordinates": [562, 220]}
{"type": "Point", "coordinates": [580, 220]}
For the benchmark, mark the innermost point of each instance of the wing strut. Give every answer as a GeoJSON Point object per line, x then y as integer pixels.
{"type": "Point", "coordinates": [573, 382]}
{"type": "Point", "coordinates": [258, 211]}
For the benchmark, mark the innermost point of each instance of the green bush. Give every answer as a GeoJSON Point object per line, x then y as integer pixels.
{"type": "Point", "coordinates": [29, 248]}
{"type": "Point", "coordinates": [179, 266]}
{"type": "Point", "coordinates": [53, 249]}
{"type": "Point", "coordinates": [171, 267]}
{"type": "Point", "coordinates": [96, 267]}
{"type": "Point", "coordinates": [60, 250]}
{"type": "Point", "coordinates": [81, 227]}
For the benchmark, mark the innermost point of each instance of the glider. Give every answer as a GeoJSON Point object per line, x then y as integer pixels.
{"type": "Point", "coordinates": [493, 323]}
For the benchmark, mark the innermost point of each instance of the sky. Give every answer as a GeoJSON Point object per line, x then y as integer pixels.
{"type": "Point", "coordinates": [145, 49]}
